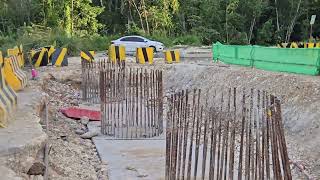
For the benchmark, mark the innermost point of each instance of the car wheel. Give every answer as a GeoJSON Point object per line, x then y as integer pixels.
{"type": "Point", "coordinates": [154, 49]}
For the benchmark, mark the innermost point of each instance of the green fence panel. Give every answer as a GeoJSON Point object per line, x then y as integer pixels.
{"type": "Point", "coordinates": [302, 61]}
{"type": "Point", "coordinates": [215, 51]}
{"type": "Point", "coordinates": [240, 55]}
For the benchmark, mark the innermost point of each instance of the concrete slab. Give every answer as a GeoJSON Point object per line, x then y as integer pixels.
{"type": "Point", "coordinates": [24, 137]}
{"type": "Point", "coordinates": [24, 127]}
{"type": "Point", "coordinates": [132, 159]}
{"type": "Point", "coordinates": [139, 159]}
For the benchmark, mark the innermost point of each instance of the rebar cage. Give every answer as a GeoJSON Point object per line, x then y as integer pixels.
{"type": "Point", "coordinates": [90, 86]}
{"type": "Point", "coordinates": [131, 102]}
{"type": "Point", "coordinates": [238, 137]}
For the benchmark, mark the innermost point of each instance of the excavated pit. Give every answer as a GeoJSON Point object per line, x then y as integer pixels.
{"type": "Point", "coordinates": [299, 94]}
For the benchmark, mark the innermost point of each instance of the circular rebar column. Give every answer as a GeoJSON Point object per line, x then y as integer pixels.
{"type": "Point", "coordinates": [131, 102]}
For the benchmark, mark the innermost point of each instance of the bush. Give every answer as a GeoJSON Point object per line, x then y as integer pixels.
{"type": "Point", "coordinates": [180, 40]}
{"type": "Point", "coordinates": [187, 40]}
{"type": "Point", "coordinates": [167, 41]}
{"type": "Point", "coordinates": [6, 42]}
{"type": "Point", "coordinates": [133, 29]}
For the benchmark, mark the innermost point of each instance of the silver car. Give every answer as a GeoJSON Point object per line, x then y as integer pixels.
{"type": "Point", "coordinates": [133, 42]}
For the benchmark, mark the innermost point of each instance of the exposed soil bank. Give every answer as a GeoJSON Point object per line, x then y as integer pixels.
{"type": "Point", "coordinates": [22, 142]}
{"type": "Point", "coordinates": [70, 157]}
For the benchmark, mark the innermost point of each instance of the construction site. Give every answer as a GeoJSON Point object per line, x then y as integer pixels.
{"type": "Point", "coordinates": [190, 113]}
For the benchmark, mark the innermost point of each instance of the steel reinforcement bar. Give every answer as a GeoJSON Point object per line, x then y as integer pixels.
{"type": "Point", "coordinates": [90, 90]}
{"type": "Point", "coordinates": [131, 102]}
{"type": "Point", "coordinates": [240, 136]}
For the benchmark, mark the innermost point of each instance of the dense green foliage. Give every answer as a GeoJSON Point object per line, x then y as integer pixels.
{"type": "Point", "coordinates": [92, 23]}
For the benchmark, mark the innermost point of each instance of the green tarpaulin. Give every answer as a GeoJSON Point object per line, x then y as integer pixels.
{"type": "Point", "coordinates": [302, 60]}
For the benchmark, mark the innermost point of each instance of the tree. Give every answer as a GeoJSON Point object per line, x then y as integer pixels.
{"type": "Point", "coordinates": [229, 21]}
{"type": "Point", "coordinates": [80, 17]}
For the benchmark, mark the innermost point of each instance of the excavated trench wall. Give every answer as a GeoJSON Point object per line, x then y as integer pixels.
{"type": "Point", "coordinates": [22, 142]}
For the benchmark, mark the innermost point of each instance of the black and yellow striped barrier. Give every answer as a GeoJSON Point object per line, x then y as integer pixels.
{"type": "Point", "coordinates": [3, 108]}
{"type": "Point", "coordinates": [49, 55]}
{"type": "Point", "coordinates": [172, 56]}
{"type": "Point", "coordinates": [8, 98]}
{"type": "Point", "coordinates": [22, 60]}
{"type": "Point", "coordinates": [59, 57]}
{"type": "Point", "coordinates": [18, 71]}
{"type": "Point", "coordinates": [87, 56]}
{"type": "Point", "coordinates": [13, 52]}
{"type": "Point", "coordinates": [117, 53]}
{"type": "Point", "coordinates": [40, 58]}
{"type": "Point", "coordinates": [144, 55]}
{"type": "Point", "coordinates": [15, 77]}
{"type": "Point", "coordinates": [290, 45]}
{"type": "Point", "coordinates": [17, 51]}
{"type": "Point", "coordinates": [50, 50]}
{"type": "Point", "coordinates": [312, 45]}
{"type": "Point", "coordinates": [298, 45]}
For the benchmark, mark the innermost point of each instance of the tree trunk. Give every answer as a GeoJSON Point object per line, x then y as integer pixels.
{"type": "Point", "coordinates": [130, 17]}
{"type": "Point", "coordinates": [183, 23]}
{"type": "Point", "coordinates": [116, 5]}
{"type": "Point", "coordinates": [293, 22]}
{"type": "Point", "coordinates": [44, 12]}
{"type": "Point", "coordinates": [277, 14]}
{"type": "Point", "coordinates": [3, 27]}
{"type": "Point", "coordinates": [110, 6]}
{"type": "Point", "coordinates": [251, 30]}
{"type": "Point", "coordinates": [227, 33]}
{"type": "Point", "coordinates": [29, 13]}
{"type": "Point", "coordinates": [122, 6]}
{"type": "Point", "coordinates": [71, 17]}
{"type": "Point", "coordinates": [145, 16]}
{"type": "Point", "coordinates": [140, 17]}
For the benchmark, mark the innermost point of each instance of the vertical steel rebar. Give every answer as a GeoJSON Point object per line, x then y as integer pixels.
{"type": "Point", "coordinates": [260, 131]}
{"type": "Point", "coordinates": [186, 131]}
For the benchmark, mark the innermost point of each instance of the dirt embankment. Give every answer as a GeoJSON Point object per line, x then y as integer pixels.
{"type": "Point", "coordinates": [300, 96]}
